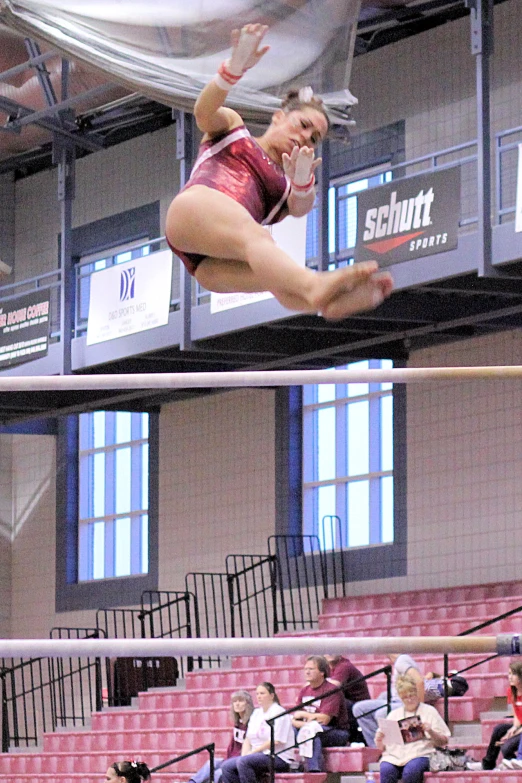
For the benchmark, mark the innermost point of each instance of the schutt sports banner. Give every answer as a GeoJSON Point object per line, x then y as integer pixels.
{"type": "Point", "coordinates": [410, 218]}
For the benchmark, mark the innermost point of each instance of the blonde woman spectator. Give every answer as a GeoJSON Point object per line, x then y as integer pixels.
{"type": "Point", "coordinates": [423, 731]}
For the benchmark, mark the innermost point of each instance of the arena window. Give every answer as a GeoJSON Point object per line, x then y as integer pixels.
{"type": "Point", "coordinates": [113, 494]}
{"type": "Point", "coordinates": [348, 461]}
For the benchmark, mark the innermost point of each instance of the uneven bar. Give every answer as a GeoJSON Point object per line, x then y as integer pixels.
{"type": "Point", "coordinates": [507, 644]}
{"type": "Point", "coordinates": [210, 380]}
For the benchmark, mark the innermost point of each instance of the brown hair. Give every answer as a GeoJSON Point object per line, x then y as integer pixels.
{"type": "Point", "coordinates": [271, 690]}
{"type": "Point", "coordinates": [249, 709]}
{"type": "Point", "coordinates": [321, 663]}
{"type": "Point", "coordinates": [295, 100]}
{"type": "Point", "coordinates": [133, 771]}
{"type": "Point", "coordinates": [515, 668]}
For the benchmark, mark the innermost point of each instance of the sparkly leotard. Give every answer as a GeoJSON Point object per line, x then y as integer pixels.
{"type": "Point", "coordinates": [236, 165]}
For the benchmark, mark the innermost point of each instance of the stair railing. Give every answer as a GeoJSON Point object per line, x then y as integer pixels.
{"type": "Point", "coordinates": [38, 694]}
{"type": "Point", "coordinates": [171, 614]}
{"type": "Point", "coordinates": [339, 689]}
{"type": "Point", "coordinates": [211, 608]}
{"type": "Point", "coordinates": [300, 581]}
{"type": "Point", "coordinates": [250, 581]}
{"type": "Point", "coordinates": [211, 752]}
{"type": "Point", "coordinates": [468, 631]}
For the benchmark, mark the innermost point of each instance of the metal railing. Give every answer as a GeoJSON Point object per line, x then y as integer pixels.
{"type": "Point", "coordinates": [300, 581]}
{"type": "Point", "coordinates": [259, 595]}
{"type": "Point", "coordinates": [40, 694]}
{"type": "Point", "coordinates": [506, 166]}
{"type": "Point", "coordinates": [163, 614]}
{"type": "Point", "coordinates": [211, 748]}
{"type": "Point", "coordinates": [467, 632]}
{"type": "Point", "coordinates": [250, 580]}
{"type": "Point", "coordinates": [170, 614]}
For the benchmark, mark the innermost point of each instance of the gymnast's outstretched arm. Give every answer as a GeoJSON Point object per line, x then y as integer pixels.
{"type": "Point", "coordinates": [211, 116]}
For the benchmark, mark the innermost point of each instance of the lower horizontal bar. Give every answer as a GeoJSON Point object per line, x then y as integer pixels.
{"type": "Point", "coordinates": [507, 644]}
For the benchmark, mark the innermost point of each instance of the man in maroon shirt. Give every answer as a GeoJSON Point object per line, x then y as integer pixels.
{"type": "Point", "coordinates": [329, 711]}
{"type": "Point", "coordinates": [343, 672]}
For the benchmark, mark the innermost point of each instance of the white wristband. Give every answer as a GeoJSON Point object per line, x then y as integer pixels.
{"type": "Point", "coordinates": [224, 78]}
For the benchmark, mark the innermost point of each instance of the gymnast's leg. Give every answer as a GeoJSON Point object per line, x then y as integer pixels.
{"type": "Point", "coordinates": [242, 257]}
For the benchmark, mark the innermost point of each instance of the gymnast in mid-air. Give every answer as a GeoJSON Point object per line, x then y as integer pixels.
{"type": "Point", "coordinates": [240, 184]}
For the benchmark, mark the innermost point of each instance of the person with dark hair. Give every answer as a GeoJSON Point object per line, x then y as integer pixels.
{"type": "Point", "coordinates": [241, 709]}
{"type": "Point", "coordinates": [239, 184]}
{"type": "Point", "coordinates": [128, 772]}
{"type": "Point", "coordinates": [505, 737]}
{"type": "Point", "coordinates": [343, 672]}
{"type": "Point", "coordinates": [255, 753]}
{"type": "Point", "coordinates": [329, 714]}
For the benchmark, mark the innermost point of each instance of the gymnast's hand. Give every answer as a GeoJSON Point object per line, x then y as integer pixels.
{"type": "Point", "coordinates": [299, 167]}
{"type": "Point", "coordinates": [246, 48]}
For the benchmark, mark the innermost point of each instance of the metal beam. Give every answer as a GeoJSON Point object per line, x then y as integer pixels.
{"type": "Point", "coordinates": [406, 334]}
{"type": "Point", "coordinates": [65, 156]}
{"type": "Point", "coordinates": [324, 208]}
{"type": "Point", "coordinates": [482, 48]}
{"type": "Point", "coordinates": [91, 143]}
{"type": "Point", "coordinates": [184, 144]}
{"type": "Point", "coordinates": [6, 75]}
{"type": "Point", "coordinates": [42, 73]}
{"type": "Point", "coordinates": [54, 110]}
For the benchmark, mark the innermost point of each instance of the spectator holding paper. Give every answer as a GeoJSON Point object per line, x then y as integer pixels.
{"type": "Point", "coordinates": [406, 752]}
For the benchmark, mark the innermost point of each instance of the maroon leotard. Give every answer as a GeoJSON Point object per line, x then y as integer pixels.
{"type": "Point", "coordinates": [237, 166]}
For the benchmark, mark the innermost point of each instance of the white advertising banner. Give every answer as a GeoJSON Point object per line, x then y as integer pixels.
{"type": "Point", "coordinates": [290, 236]}
{"type": "Point", "coordinates": [130, 297]}
{"type": "Point", "coordinates": [518, 209]}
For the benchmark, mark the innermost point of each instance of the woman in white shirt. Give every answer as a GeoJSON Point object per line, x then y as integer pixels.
{"type": "Point", "coordinates": [255, 754]}
{"type": "Point", "coordinates": [424, 732]}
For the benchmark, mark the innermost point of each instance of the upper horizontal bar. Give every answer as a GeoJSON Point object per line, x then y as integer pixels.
{"type": "Point", "coordinates": [210, 380]}
{"type": "Point", "coordinates": [508, 644]}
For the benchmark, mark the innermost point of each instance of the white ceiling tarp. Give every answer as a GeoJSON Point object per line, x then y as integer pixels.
{"type": "Point", "coordinates": [169, 49]}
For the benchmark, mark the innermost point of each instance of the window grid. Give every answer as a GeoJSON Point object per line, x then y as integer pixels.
{"type": "Point", "coordinates": [342, 228]}
{"type": "Point", "coordinates": [114, 476]}
{"type": "Point", "coordinates": [348, 460]}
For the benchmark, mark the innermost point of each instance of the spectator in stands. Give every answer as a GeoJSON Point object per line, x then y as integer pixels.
{"type": "Point", "coordinates": [505, 737]}
{"type": "Point", "coordinates": [128, 772]}
{"type": "Point", "coordinates": [329, 712]}
{"type": "Point", "coordinates": [343, 672]}
{"type": "Point", "coordinates": [241, 709]}
{"type": "Point", "coordinates": [434, 686]}
{"type": "Point", "coordinates": [422, 729]}
{"type": "Point", "coordinates": [367, 713]}
{"type": "Point", "coordinates": [255, 753]}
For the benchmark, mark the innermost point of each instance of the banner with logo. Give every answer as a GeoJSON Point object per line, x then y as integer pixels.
{"type": "Point", "coordinates": [24, 328]}
{"type": "Point", "coordinates": [290, 236]}
{"type": "Point", "coordinates": [410, 218]}
{"type": "Point", "coordinates": [130, 297]}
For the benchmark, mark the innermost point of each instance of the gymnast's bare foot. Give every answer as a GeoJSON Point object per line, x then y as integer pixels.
{"type": "Point", "coordinates": [342, 287]}
{"type": "Point", "coordinates": [324, 287]}
{"type": "Point", "coordinates": [365, 294]}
